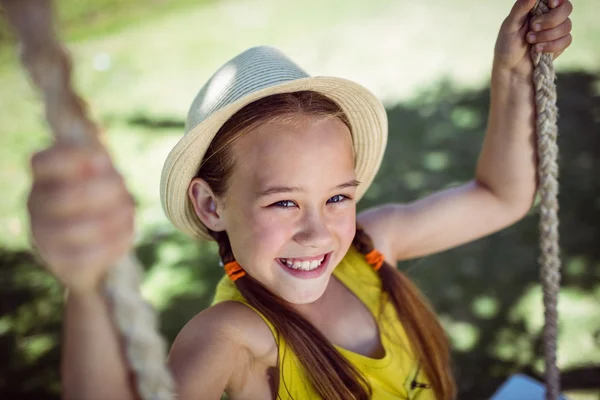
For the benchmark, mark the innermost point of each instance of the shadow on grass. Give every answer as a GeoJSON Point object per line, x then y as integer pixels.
{"type": "Point", "coordinates": [476, 288]}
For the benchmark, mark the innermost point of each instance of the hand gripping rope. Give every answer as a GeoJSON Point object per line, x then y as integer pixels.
{"type": "Point", "coordinates": [49, 67]}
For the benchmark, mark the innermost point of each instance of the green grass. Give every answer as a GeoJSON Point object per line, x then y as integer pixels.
{"type": "Point", "coordinates": [82, 20]}
{"type": "Point", "coordinates": [149, 58]}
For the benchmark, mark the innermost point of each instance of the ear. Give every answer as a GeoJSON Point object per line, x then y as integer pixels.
{"type": "Point", "coordinates": [206, 204]}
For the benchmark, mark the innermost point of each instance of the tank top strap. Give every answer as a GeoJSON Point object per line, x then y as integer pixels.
{"type": "Point", "coordinates": [360, 278]}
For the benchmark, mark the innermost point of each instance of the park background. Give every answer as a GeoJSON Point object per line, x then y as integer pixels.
{"type": "Point", "coordinates": [139, 64]}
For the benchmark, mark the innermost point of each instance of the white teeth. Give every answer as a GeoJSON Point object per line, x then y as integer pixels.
{"type": "Point", "coordinates": [303, 265]}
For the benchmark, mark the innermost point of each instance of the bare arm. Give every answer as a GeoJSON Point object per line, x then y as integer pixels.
{"type": "Point", "coordinates": [93, 366]}
{"type": "Point", "coordinates": [436, 223]}
{"type": "Point", "coordinates": [501, 193]}
{"type": "Point", "coordinates": [505, 180]}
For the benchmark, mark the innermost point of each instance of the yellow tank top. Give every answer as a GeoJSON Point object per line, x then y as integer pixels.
{"type": "Point", "coordinates": [395, 376]}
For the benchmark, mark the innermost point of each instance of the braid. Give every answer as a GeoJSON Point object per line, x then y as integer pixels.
{"type": "Point", "coordinates": [225, 251]}
{"type": "Point", "coordinates": [422, 327]}
{"type": "Point", "coordinates": [362, 241]}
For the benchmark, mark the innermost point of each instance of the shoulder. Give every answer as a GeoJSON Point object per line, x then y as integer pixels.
{"type": "Point", "coordinates": [220, 344]}
{"type": "Point", "coordinates": [376, 222]}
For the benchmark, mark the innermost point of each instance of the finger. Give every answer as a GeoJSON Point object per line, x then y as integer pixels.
{"type": "Point", "coordinates": [519, 14]}
{"type": "Point", "coordinates": [85, 230]}
{"type": "Point", "coordinates": [553, 18]}
{"type": "Point", "coordinates": [551, 34]}
{"type": "Point", "coordinates": [555, 55]}
{"type": "Point", "coordinates": [54, 200]}
{"type": "Point", "coordinates": [100, 255]}
{"type": "Point", "coordinates": [555, 46]}
{"type": "Point", "coordinates": [67, 162]}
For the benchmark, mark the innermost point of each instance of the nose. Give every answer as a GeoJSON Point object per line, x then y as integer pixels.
{"type": "Point", "coordinates": [313, 231]}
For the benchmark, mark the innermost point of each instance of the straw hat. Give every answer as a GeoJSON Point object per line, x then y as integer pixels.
{"type": "Point", "coordinates": [256, 73]}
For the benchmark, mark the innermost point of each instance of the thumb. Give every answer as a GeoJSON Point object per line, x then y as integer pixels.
{"type": "Point", "coordinates": [519, 15]}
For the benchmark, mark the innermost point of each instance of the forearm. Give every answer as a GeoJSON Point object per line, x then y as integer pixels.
{"type": "Point", "coordinates": [507, 163]}
{"type": "Point", "coordinates": [93, 366]}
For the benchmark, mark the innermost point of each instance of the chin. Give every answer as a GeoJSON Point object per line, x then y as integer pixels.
{"type": "Point", "coordinates": [303, 295]}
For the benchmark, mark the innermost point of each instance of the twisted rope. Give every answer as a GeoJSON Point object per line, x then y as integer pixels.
{"type": "Point", "coordinates": [49, 67]}
{"type": "Point", "coordinates": [547, 148]}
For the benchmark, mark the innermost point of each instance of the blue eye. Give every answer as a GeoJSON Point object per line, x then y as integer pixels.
{"type": "Point", "coordinates": [338, 198]}
{"type": "Point", "coordinates": [284, 204]}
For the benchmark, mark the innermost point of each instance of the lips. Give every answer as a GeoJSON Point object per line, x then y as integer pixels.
{"type": "Point", "coordinates": [302, 263]}
{"type": "Point", "coordinates": [296, 267]}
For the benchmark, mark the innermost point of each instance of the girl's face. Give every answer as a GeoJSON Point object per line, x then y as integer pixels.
{"type": "Point", "coordinates": [291, 201]}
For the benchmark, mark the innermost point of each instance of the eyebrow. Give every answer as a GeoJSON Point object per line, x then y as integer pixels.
{"type": "Point", "coordinates": [288, 189]}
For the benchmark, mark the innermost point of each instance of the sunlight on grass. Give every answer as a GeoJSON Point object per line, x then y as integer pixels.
{"type": "Point", "coordinates": [575, 266]}
{"type": "Point", "coordinates": [579, 318]}
{"type": "Point", "coordinates": [436, 160]}
{"type": "Point", "coordinates": [163, 281]}
{"type": "Point", "coordinates": [36, 346]}
{"type": "Point", "coordinates": [582, 395]}
{"type": "Point", "coordinates": [513, 346]}
{"type": "Point", "coordinates": [463, 336]}
{"type": "Point", "coordinates": [5, 324]}
{"type": "Point", "coordinates": [414, 179]}
{"type": "Point", "coordinates": [485, 307]}
{"type": "Point", "coordinates": [465, 118]}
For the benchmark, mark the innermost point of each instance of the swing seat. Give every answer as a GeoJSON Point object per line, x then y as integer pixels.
{"type": "Point", "coordinates": [521, 387]}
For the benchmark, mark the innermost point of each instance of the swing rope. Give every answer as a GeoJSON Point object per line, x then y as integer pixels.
{"type": "Point", "coordinates": [49, 67]}
{"type": "Point", "coordinates": [547, 149]}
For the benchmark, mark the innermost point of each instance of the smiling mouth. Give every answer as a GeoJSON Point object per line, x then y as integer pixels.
{"type": "Point", "coordinates": [304, 265]}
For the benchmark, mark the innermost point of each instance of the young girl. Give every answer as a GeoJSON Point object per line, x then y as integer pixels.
{"type": "Point", "coordinates": [271, 168]}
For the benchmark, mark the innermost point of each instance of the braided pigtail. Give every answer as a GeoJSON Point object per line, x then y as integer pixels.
{"type": "Point", "coordinates": [422, 327]}
{"type": "Point", "coordinates": [332, 376]}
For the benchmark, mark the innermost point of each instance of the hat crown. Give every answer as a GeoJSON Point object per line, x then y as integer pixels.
{"type": "Point", "coordinates": [255, 69]}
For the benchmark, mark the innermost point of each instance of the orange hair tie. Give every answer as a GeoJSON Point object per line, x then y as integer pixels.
{"type": "Point", "coordinates": [375, 258]}
{"type": "Point", "coordinates": [234, 270]}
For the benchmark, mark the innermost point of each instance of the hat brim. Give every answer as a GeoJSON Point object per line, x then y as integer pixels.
{"type": "Point", "coordinates": [365, 113]}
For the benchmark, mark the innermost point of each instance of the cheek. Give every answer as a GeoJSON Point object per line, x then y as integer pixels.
{"type": "Point", "coordinates": [270, 234]}
{"type": "Point", "coordinates": [347, 228]}
{"type": "Point", "coordinates": [264, 233]}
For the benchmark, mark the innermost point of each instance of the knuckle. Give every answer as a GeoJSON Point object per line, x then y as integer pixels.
{"type": "Point", "coordinates": [77, 232]}
{"type": "Point", "coordinates": [39, 160]}
{"type": "Point", "coordinates": [31, 200]}
{"type": "Point", "coordinates": [568, 24]}
{"type": "Point", "coordinates": [64, 197]}
{"type": "Point", "coordinates": [117, 221]}
{"type": "Point", "coordinates": [569, 7]}
{"type": "Point", "coordinates": [37, 157]}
